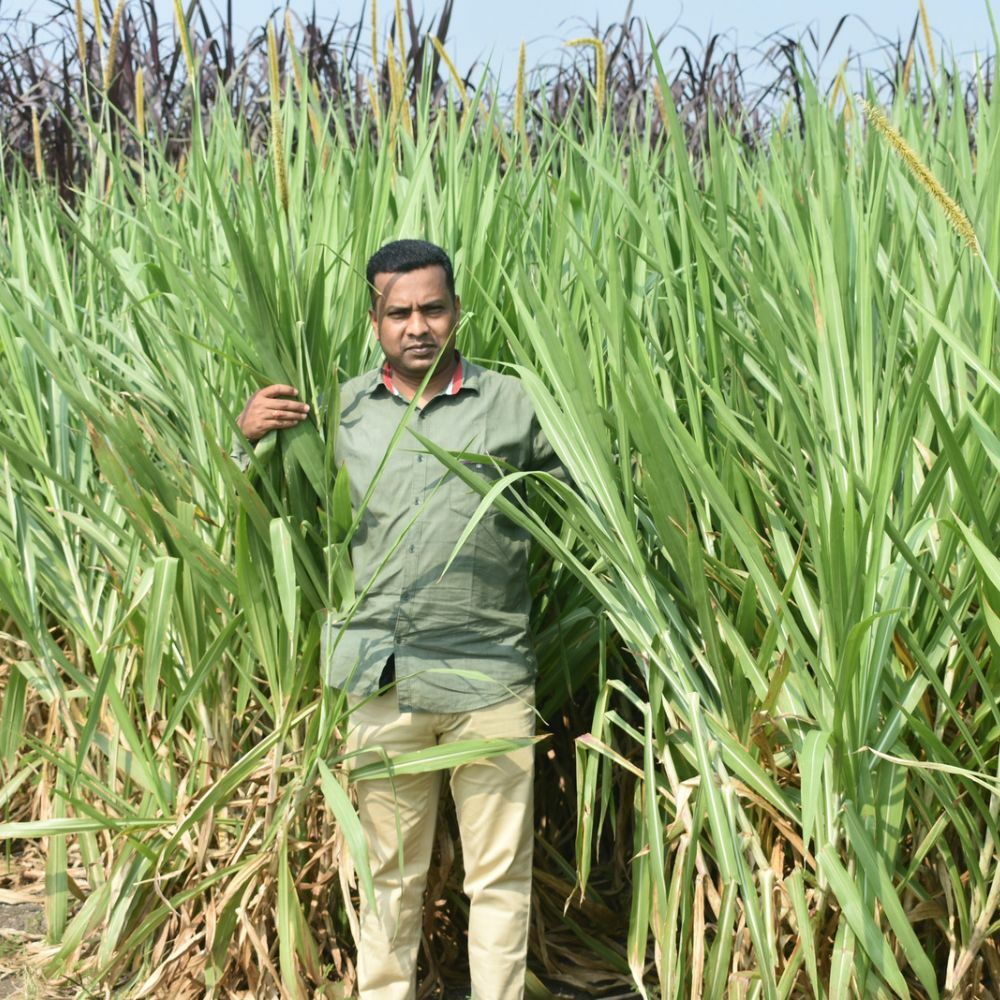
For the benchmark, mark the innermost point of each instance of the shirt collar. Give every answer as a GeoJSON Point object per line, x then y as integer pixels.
{"type": "Point", "coordinates": [465, 377]}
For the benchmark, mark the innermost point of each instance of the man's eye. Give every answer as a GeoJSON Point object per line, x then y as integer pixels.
{"type": "Point", "coordinates": [434, 310]}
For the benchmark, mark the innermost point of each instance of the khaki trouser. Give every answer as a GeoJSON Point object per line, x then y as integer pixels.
{"type": "Point", "coordinates": [493, 800]}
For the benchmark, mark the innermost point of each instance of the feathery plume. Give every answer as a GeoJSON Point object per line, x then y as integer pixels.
{"type": "Point", "coordinates": [181, 175]}
{"type": "Point", "coordinates": [140, 125]}
{"type": "Point", "coordinates": [519, 104]}
{"type": "Point", "coordinates": [293, 54]}
{"type": "Point", "coordinates": [140, 102]}
{"type": "Point", "coordinates": [36, 136]}
{"type": "Point", "coordinates": [446, 59]}
{"type": "Point", "coordinates": [926, 24]}
{"type": "Point", "coordinates": [109, 66]}
{"type": "Point", "coordinates": [376, 112]}
{"type": "Point", "coordinates": [375, 35]}
{"type": "Point", "coordinates": [908, 68]}
{"type": "Point", "coordinates": [956, 217]}
{"type": "Point", "coordinates": [399, 31]}
{"type": "Point", "coordinates": [277, 133]}
{"type": "Point", "coordinates": [81, 40]}
{"type": "Point", "coordinates": [600, 81]}
{"type": "Point", "coordinates": [98, 25]}
{"type": "Point", "coordinates": [185, 39]}
{"type": "Point", "coordinates": [661, 104]}
{"type": "Point", "coordinates": [455, 78]}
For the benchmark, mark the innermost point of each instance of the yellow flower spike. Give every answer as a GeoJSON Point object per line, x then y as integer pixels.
{"type": "Point", "coordinates": [661, 104]}
{"type": "Point", "coordinates": [954, 213]}
{"type": "Point", "coordinates": [926, 24]}
{"type": "Point", "coordinates": [908, 68]}
{"type": "Point", "coordinates": [36, 137]}
{"type": "Point", "coordinates": [185, 39]}
{"type": "Point", "coordinates": [109, 66]}
{"type": "Point", "coordinates": [81, 40]}
{"type": "Point", "coordinates": [98, 25]}
{"type": "Point", "coordinates": [140, 103]}
{"type": "Point", "coordinates": [376, 112]}
{"type": "Point", "coordinates": [277, 133]}
{"type": "Point", "coordinates": [293, 55]}
{"type": "Point", "coordinates": [519, 128]}
{"type": "Point", "coordinates": [600, 82]}
{"type": "Point", "coordinates": [446, 59]}
{"type": "Point", "coordinates": [375, 35]}
{"type": "Point", "coordinates": [399, 32]}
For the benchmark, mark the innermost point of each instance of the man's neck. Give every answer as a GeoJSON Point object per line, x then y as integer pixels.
{"type": "Point", "coordinates": [444, 373]}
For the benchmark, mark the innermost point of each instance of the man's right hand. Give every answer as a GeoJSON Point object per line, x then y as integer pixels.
{"type": "Point", "coordinates": [266, 410]}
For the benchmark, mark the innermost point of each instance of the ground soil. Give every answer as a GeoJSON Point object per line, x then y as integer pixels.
{"type": "Point", "coordinates": [20, 923]}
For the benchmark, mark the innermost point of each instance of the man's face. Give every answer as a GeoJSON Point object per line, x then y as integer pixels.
{"type": "Point", "coordinates": [414, 320]}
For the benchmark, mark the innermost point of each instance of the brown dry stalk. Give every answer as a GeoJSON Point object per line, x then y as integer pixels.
{"type": "Point", "coordinates": [116, 21]}
{"type": "Point", "coordinates": [375, 35]}
{"type": "Point", "coordinates": [954, 213]}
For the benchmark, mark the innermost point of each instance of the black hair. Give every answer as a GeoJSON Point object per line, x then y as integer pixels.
{"type": "Point", "coordinates": [401, 256]}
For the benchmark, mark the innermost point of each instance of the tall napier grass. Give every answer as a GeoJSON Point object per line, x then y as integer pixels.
{"type": "Point", "coordinates": [766, 614]}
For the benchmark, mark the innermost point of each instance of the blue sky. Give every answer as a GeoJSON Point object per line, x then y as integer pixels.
{"type": "Point", "coordinates": [495, 29]}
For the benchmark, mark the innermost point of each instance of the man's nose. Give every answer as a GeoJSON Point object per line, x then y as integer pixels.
{"type": "Point", "coordinates": [416, 323]}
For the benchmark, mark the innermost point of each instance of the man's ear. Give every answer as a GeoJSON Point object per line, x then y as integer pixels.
{"type": "Point", "coordinates": [374, 321]}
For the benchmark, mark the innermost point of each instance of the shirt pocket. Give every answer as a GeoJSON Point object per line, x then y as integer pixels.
{"type": "Point", "coordinates": [496, 548]}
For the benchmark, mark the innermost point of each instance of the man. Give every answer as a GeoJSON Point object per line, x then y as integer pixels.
{"type": "Point", "coordinates": [433, 655]}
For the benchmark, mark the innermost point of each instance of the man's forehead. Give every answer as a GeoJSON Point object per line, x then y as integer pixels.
{"type": "Point", "coordinates": [422, 282]}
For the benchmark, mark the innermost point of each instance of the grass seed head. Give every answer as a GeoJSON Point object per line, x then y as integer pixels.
{"type": "Point", "coordinates": [185, 39]}
{"type": "Point", "coordinates": [600, 70]}
{"type": "Point", "coordinates": [81, 41]}
{"type": "Point", "coordinates": [519, 128]}
{"type": "Point", "coordinates": [116, 21]}
{"type": "Point", "coordinates": [926, 24]}
{"type": "Point", "coordinates": [954, 213]}
{"type": "Point", "coordinates": [36, 135]}
{"type": "Point", "coordinates": [140, 102]}
{"type": "Point", "coordinates": [98, 25]}
{"type": "Point", "coordinates": [277, 133]}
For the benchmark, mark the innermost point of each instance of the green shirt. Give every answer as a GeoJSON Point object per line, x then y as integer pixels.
{"type": "Point", "coordinates": [459, 637]}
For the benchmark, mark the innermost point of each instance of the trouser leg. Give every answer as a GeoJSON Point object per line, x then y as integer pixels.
{"type": "Point", "coordinates": [397, 816]}
{"type": "Point", "coordinates": [494, 803]}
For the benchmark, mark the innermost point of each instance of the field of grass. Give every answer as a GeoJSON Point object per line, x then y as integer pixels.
{"type": "Point", "coordinates": [765, 618]}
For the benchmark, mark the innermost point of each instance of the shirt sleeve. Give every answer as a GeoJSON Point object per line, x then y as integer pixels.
{"type": "Point", "coordinates": [543, 456]}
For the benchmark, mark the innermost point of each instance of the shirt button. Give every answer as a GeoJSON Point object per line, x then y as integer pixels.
{"type": "Point", "coordinates": [417, 502]}
{"type": "Point", "coordinates": [413, 548]}
{"type": "Point", "coordinates": [420, 458]}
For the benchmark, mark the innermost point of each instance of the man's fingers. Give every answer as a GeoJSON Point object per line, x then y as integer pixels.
{"type": "Point", "coordinates": [270, 391]}
{"type": "Point", "coordinates": [286, 406]}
